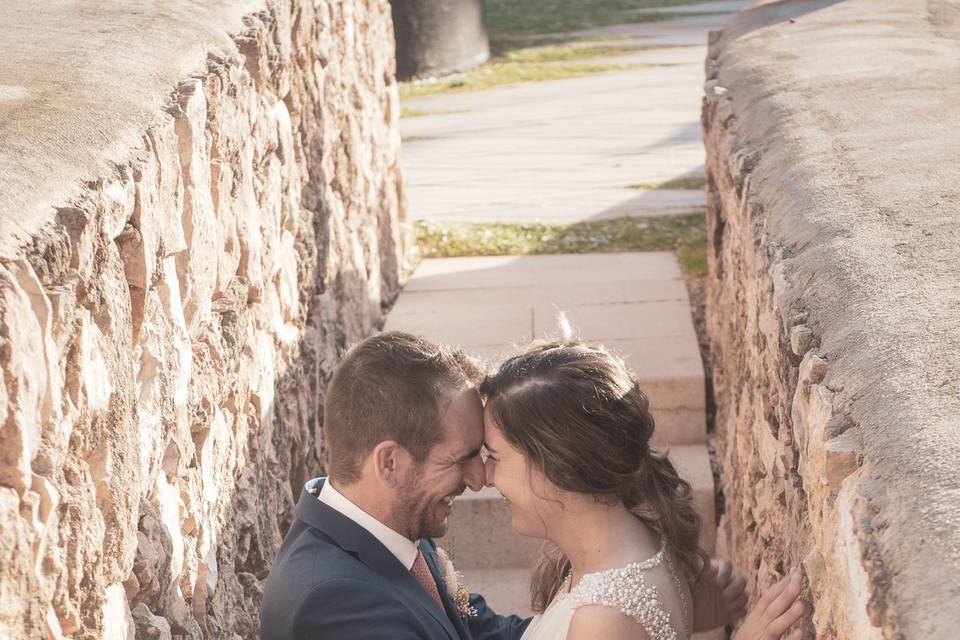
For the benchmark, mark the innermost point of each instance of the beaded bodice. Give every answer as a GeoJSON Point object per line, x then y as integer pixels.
{"type": "Point", "coordinates": [626, 589]}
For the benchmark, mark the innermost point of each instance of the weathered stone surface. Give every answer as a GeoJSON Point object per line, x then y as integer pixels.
{"type": "Point", "coordinates": [200, 208]}
{"type": "Point", "coordinates": [832, 306]}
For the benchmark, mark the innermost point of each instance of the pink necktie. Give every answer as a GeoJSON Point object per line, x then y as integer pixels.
{"type": "Point", "coordinates": [421, 572]}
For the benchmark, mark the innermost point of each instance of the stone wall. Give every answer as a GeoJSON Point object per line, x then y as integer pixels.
{"type": "Point", "coordinates": [832, 309]}
{"type": "Point", "coordinates": [201, 207]}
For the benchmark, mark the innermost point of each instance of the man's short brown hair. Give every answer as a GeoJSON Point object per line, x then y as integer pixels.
{"type": "Point", "coordinates": [392, 386]}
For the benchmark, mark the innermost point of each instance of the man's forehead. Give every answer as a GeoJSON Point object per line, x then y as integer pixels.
{"type": "Point", "coordinates": [465, 398]}
{"type": "Point", "coordinates": [463, 418]}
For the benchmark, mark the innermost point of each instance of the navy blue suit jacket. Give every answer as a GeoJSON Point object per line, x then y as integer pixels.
{"type": "Point", "coordinates": [334, 580]}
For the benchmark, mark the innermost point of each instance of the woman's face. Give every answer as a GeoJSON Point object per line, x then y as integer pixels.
{"type": "Point", "coordinates": [522, 486]}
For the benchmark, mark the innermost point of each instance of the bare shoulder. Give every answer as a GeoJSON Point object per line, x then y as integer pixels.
{"type": "Point", "coordinates": [598, 621]}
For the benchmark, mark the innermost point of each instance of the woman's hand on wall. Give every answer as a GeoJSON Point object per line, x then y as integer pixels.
{"type": "Point", "coordinates": [776, 611]}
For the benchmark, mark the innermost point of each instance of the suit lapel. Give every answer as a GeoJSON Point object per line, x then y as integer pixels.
{"type": "Point", "coordinates": [360, 543]}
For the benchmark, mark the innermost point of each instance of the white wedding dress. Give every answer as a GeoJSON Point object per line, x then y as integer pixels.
{"type": "Point", "coordinates": [635, 589]}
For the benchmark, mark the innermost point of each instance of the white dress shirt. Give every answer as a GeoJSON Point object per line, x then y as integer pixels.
{"type": "Point", "coordinates": [399, 545]}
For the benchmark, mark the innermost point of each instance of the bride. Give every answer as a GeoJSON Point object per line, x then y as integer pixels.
{"type": "Point", "coordinates": [567, 430]}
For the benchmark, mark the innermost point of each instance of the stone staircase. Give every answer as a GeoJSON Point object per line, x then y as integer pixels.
{"type": "Point", "coordinates": [634, 303]}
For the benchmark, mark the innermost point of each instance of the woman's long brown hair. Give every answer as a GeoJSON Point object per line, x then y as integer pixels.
{"type": "Point", "coordinates": [578, 415]}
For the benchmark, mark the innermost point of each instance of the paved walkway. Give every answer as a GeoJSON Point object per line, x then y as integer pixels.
{"type": "Point", "coordinates": [566, 150]}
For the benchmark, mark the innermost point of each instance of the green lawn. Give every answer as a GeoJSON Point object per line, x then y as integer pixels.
{"type": "Point", "coordinates": [495, 74]}
{"type": "Point", "coordinates": [566, 52]}
{"type": "Point", "coordinates": [514, 19]}
{"type": "Point", "coordinates": [685, 234]}
{"type": "Point", "coordinates": [420, 113]}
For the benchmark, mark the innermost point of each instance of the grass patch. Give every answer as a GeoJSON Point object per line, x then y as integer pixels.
{"type": "Point", "coordinates": [510, 18]}
{"type": "Point", "coordinates": [692, 183]}
{"type": "Point", "coordinates": [522, 64]}
{"type": "Point", "coordinates": [507, 43]}
{"type": "Point", "coordinates": [566, 52]}
{"type": "Point", "coordinates": [495, 74]}
{"type": "Point", "coordinates": [409, 139]}
{"type": "Point", "coordinates": [685, 234]}
{"type": "Point", "coordinates": [419, 113]}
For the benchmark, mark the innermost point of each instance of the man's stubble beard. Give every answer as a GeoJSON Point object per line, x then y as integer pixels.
{"type": "Point", "coordinates": [416, 511]}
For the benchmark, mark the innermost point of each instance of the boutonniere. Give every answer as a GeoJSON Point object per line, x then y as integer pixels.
{"type": "Point", "coordinates": [459, 594]}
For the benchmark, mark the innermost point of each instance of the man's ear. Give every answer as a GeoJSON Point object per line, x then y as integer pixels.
{"type": "Point", "coordinates": [390, 462]}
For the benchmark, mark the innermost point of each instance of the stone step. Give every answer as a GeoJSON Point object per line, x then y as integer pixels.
{"type": "Point", "coordinates": [481, 536]}
{"type": "Point", "coordinates": [508, 591]}
{"type": "Point", "coordinates": [634, 303]}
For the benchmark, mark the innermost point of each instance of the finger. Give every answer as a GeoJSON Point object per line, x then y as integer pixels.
{"type": "Point", "coordinates": [796, 635]}
{"type": "Point", "coordinates": [772, 592]}
{"type": "Point", "coordinates": [778, 626]}
{"type": "Point", "coordinates": [737, 586]}
{"type": "Point", "coordinates": [785, 598]}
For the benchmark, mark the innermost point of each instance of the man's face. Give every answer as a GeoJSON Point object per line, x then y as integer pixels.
{"type": "Point", "coordinates": [452, 465]}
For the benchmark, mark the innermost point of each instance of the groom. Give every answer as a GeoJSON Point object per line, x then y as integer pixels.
{"type": "Point", "coordinates": [403, 426]}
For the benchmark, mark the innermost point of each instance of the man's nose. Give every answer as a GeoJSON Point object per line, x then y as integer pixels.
{"type": "Point", "coordinates": [473, 474]}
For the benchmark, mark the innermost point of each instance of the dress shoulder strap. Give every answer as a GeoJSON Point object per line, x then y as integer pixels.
{"type": "Point", "coordinates": [626, 589]}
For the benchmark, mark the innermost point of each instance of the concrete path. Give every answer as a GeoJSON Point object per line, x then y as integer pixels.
{"type": "Point", "coordinates": [566, 150]}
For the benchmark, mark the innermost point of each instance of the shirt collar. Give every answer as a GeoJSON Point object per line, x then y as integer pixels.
{"type": "Point", "coordinates": [404, 549]}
